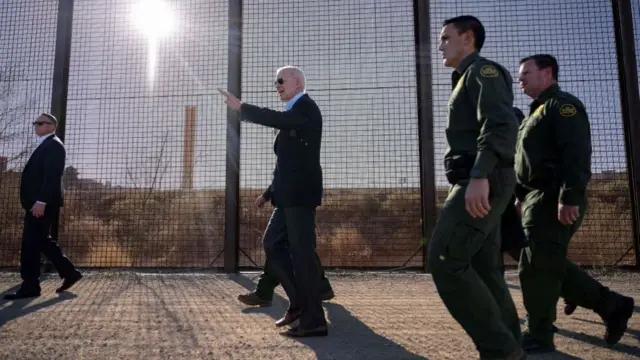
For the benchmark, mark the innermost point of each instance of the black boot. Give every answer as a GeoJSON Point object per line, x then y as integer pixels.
{"type": "Point", "coordinates": [615, 313]}
{"type": "Point", "coordinates": [569, 307]}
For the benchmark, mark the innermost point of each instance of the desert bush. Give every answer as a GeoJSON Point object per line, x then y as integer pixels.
{"type": "Point", "coordinates": [105, 227]}
{"type": "Point", "coordinates": [11, 218]}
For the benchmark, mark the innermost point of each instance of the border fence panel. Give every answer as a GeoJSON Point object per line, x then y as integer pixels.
{"type": "Point", "coordinates": [27, 44]}
{"type": "Point", "coordinates": [149, 144]}
{"type": "Point", "coordinates": [359, 61]}
{"type": "Point", "coordinates": [146, 135]}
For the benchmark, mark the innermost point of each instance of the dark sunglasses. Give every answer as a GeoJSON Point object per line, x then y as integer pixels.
{"type": "Point", "coordinates": [278, 81]}
{"type": "Point", "coordinates": [39, 123]}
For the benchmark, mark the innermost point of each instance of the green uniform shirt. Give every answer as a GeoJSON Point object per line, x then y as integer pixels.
{"type": "Point", "coordinates": [481, 123]}
{"type": "Point", "coordinates": [554, 146]}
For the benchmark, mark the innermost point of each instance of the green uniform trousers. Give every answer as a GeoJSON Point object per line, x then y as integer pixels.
{"type": "Point", "coordinates": [465, 260]}
{"type": "Point", "coordinates": [545, 272]}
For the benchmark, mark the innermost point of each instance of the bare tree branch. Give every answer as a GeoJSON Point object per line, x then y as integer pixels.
{"type": "Point", "coordinates": [14, 130]}
{"type": "Point", "coordinates": [147, 173]}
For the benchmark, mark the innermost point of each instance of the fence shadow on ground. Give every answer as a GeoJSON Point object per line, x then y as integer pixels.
{"type": "Point", "coordinates": [347, 334]}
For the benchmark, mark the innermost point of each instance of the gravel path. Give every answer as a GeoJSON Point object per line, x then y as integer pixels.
{"type": "Point", "coordinates": [136, 315]}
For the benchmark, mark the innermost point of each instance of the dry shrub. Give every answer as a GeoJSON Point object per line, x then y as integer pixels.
{"type": "Point", "coordinates": [90, 241]}
{"type": "Point", "coordinates": [343, 247]}
{"type": "Point", "coordinates": [106, 227]}
{"type": "Point", "coordinates": [370, 227]}
{"type": "Point", "coordinates": [11, 219]}
{"type": "Point", "coordinates": [192, 232]}
{"type": "Point", "coordinates": [606, 232]}
{"type": "Point", "coordinates": [253, 222]}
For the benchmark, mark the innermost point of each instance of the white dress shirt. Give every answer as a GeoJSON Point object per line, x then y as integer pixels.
{"type": "Point", "coordinates": [289, 104]}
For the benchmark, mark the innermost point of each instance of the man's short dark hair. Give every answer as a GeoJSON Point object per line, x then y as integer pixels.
{"type": "Point", "coordinates": [544, 61]}
{"type": "Point", "coordinates": [50, 117]}
{"type": "Point", "coordinates": [466, 23]}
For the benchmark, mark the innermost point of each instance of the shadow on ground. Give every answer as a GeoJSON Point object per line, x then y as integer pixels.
{"type": "Point", "coordinates": [347, 334]}
{"type": "Point", "coordinates": [18, 308]}
{"type": "Point", "coordinates": [595, 341]}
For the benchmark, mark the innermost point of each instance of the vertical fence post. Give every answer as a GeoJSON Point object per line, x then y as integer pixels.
{"type": "Point", "coordinates": [232, 189]}
{"type": "Point", "coordinates": [425, 121]}
{"type": "Point", "coordinates": [630, 105]}
{"type": "Point", "coordinates": [60, 83]}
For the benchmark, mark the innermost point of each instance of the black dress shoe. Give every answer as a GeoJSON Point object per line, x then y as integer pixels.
{"type": "Point", "coordinates": [569, 307]}
{"type": "Point", "coordinates": [253, 299]}
{"type": "Point", "coordinates": [69, 281]}
{"type": "Point", "coordinates": [22, 295]}
{"type": "Point", "coordinates": [534, 346]}
{"type": "Point", "coordinates": [327, 295]}
{"type": "Point", "coordinates": [289, 318]}
{"type": "Point", "coordinates": [296, 332]}
{"type": "Point", "coordinates": [617, 321]}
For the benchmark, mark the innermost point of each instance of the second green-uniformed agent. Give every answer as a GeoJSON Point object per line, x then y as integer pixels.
{"type": "Point", "coordinates": [553, 167]}
{"type": "Point", "coordinates": [464, 251]}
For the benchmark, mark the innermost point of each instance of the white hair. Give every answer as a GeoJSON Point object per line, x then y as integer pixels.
{"type": "Point", "coordinates": [296, 72]}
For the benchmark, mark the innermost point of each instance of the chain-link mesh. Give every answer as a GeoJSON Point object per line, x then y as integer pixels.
{"type": "Point", "coordinates": [635, 7]}
{"type": "Point", "coordinates": [585, 48]}
{"type": "Point", "coordinates": [146, 131]}
{"type": "Point", "coordinates": [146, 135]}
{"type": "Point", "coordinates": [358, 58]}
{"type": "Point", "coordinates": [26, 72]}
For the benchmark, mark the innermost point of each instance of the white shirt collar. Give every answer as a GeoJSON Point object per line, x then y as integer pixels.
{"type": "Point", "coordinates": [43, 138]}
{"type": "Point", "coordinates": [292, 102]}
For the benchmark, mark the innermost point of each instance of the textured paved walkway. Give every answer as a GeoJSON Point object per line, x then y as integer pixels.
{"type": "Point", "coordinates": [132, 315]}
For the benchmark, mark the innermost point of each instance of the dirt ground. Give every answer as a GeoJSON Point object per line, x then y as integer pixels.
{"type": "Point", "coordinates": [137, 315]}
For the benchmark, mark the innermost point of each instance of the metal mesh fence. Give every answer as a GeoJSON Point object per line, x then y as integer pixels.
{"type": "Point", "coordinates": [146, 135]}
{"type": "Point", "coordinates": [146, 131]}
{"type": "Point", "coordinates": [26, 72]}
{"type": "Point", "coordinates": [585, 48]}
{"type": "Point", "coordinates": [358, 58]}
{"type": "Point", "coordinates": [635, 6]}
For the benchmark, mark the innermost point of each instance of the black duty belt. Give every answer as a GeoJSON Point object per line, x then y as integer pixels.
{"type": "Point", "coordinates": [458, 169]}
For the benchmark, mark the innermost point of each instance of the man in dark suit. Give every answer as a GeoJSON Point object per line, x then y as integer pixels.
{"type": "Point", "coordinates": [290, 239]}
{"type": "Point", "coordinates": [263, 293]}
{"type": "Point", "coordinates": [511, 231]}
{"type": "Point", "coordinates": [41, 197]}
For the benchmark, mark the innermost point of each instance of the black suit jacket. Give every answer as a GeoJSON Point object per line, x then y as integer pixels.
{"type": "Point", "coordinates": [513, 237]}
{"type": "Point", "coordinates": [42, 175]}
{"type": "Point", "coordinates": [297, 179]}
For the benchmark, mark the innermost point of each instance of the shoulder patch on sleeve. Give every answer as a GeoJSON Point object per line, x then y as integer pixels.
{"type": "Point", "coordinates": [489, 71]}
{"type": "Point", "coordinates": [568, 110]}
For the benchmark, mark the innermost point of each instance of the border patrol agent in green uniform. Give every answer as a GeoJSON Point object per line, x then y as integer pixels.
{"type": "Point", "coordinates": [512, 233]}
{"type": "Point", "coordinates": [464, 251]}
{"type": "Point", "coordinates": [553, 167]}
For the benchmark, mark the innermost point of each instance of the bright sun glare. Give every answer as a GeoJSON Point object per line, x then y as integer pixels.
{"type": "Point", "coordinates": [155, 19]}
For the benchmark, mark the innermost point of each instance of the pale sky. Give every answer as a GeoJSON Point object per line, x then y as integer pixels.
{"type": "Point", "coordinates": [358, 57]}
